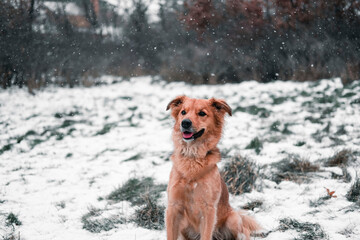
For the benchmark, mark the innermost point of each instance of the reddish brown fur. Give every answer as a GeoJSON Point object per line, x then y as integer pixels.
{"type": "Point", "coordinates": [198, 199]}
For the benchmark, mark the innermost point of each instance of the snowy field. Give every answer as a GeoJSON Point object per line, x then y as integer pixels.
{"type": "Point", "coordinates": [63, 151]}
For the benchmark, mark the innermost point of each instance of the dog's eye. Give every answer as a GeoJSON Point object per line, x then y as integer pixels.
{"type": "Point", "coordinates": [202, 114]}
{"type": "Point", "coordinates": [183, 112]}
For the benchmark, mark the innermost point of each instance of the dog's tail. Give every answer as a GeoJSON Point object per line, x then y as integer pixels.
{"type": "Point", "coordinates": [249, 224]}
{"type": "Point", "coordinates": [241, 225]}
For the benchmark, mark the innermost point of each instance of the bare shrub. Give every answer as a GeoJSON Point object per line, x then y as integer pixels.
{"type": "Point", "coordinates": [150, 215]}
{"type": "Point", "coordinates": [353, 195]}
{"type": "Point", "coordinates": [134, 189]}
{"type": "Point", "coordinates": [293, 169]}
{"type": "Point", "coordinates": [240, 174]}
{"type": "Point", "coordinates": [341, 158]}
{"type": "Point", "coordinates": [307, 230]}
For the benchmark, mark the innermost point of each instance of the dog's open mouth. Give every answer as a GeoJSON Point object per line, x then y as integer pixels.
{"type": "Point", "coordinates": [192, 136]}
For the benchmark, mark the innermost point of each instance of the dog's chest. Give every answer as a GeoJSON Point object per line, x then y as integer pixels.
{"type": "Point", "coordinates": [196, 196]}
{"type": "Point", "coordinates": [192, 199]}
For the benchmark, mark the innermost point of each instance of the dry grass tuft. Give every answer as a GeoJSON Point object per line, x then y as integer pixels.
{"type": "Point", "coordinates": [134, 188]}
{"type": "Point", "coordinates": [252, 205]}
{"type": "Point", "coordinates": [341, 158]}
{"type": "Point", "coordinates": [308, 231]}
{"type": "Point", "coordinates": [293, 169]}
{"type": "Point", "coordinates": [353, 195]}
{"type": "Point", "coordinates": [12, 220]}
{"type": "Point", "coordinates": [240, 175]}
{"type": "Point", "coordinates": [151, 215]}
{"type": "Point", "coordinates": [255, 144]}
{"type": "Point", "coordinates": [94, 222]}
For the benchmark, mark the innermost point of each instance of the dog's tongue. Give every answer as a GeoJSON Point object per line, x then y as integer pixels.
{"type": "Point", "coordinates": [187, 134]}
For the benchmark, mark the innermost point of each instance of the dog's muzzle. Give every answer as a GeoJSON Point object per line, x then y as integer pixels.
{"type": "Point", "coordinates": [188, 132]}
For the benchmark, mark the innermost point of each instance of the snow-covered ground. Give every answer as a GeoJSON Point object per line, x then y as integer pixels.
{"type": "Point", "coordinates": [63, 150]}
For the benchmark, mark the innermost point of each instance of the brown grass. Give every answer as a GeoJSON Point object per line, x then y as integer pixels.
{"type": "Point", "coordinates": [240, 175]}
{"type": "Point", "coordinates": [252, 205]}
{"type": "Point", "coordinates": [341, 158]}
{"type": "Point", "coordinates": [294, 169]}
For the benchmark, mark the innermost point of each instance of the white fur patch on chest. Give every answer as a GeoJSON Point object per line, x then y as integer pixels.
{"type": "Point", "coordinates": [189, 150]}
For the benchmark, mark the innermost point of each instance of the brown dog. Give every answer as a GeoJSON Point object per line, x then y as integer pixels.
{"type": "Point", "coordinates": [198, 199]}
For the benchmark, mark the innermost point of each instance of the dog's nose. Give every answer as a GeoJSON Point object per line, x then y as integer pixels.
{"type": "Point", "coordinates": [186, 123]}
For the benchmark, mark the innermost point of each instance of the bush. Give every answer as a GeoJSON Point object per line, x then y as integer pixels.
{"type": "Point", "coordinates": [12, 219]}
{"type": "Point", "coordinates": [308, 231]}
{"type": "Point", "coordinates": [278, 39]}
{"type": "Point", "coordinates": [150, 215]}
{"type": "Point", "coordinates": [341, 158]}
{"type": "Point", "coordinates": [353, 195]}
{"type": "Point", "coordinates": [93, 222]}
{"type": "Point", "coordinates": [134, 189]}
{"type": "Point", "coordinates": [240, 175]}
{"type": "Point", "coordinates": [293, 169]}
{"type": "Point", "coordinates": [255, 144]}
{"type": "Point", "coordinates": [252, 205]}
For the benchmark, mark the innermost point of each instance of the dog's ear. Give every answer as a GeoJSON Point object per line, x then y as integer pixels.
{"type": "Point", "coordinates": [221, 106]}
{"type": "Point", "coordinates": [175, 104]}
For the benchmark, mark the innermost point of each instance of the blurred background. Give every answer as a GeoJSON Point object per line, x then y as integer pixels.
{"type": "Point", "coordinates": [85, 141]}
{"type": "Point", "coordinates": [72, 42]}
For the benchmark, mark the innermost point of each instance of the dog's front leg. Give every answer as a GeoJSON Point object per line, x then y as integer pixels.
{"type": "Point", "coordinates": [208, 223]}
{"type": "Point", "coordinates": [173, 219]}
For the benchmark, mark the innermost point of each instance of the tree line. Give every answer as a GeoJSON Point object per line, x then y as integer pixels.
{"type": "Point", "coordinates": [197, 41]}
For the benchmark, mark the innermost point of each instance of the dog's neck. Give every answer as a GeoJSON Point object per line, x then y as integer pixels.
{"type": "Point", "coordinates": [194, 153]}
{"type": "Point", "coordinates": [194, 167]}
{"type": "Point", "coordinates": [192, 150]}
{"type": "Point", "coordinates": [197, 149]}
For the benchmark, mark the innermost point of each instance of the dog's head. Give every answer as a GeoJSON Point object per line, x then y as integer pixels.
{"type": "Point", "coordinates": [198, 120]}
